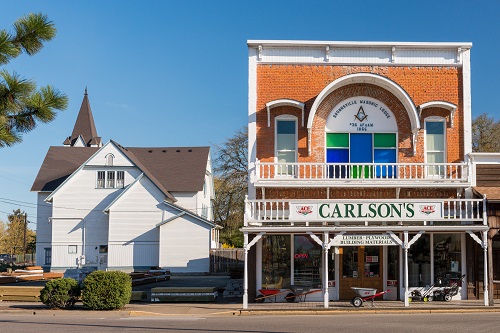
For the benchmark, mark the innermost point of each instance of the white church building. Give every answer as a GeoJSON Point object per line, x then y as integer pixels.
{"type": "Point", "coordinates": [105, 206]}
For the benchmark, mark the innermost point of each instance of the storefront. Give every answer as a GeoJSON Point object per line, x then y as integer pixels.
{"type": "Point", "coordinates": [359, 168]}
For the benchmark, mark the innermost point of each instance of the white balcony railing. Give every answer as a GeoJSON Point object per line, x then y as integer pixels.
{"type": "Point", "coordinates": [349, 174]}
{"type": "Point", "coordinates": [326, 212]}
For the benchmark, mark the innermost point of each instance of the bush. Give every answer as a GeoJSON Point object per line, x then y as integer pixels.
{"type": "Point", "coordinates": [60, 293]}
{"type": "Point", "coordinates": [106, 290]}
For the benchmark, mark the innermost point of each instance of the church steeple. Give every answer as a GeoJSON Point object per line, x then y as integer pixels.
{"type": "Point", "coordinates": [84, 133]}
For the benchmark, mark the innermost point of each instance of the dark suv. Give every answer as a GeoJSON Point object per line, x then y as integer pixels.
{"type": "Point", "coordinates": [5, 258]}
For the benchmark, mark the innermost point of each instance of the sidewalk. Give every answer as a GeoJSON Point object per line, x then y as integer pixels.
{"type": "Point", "coordinates": [236, 309]}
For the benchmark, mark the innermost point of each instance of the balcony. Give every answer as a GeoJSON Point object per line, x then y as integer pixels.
{"type": "Point", "coordinates": [364, 212]}
{"type": "Point", "coordinates": [268, 174]}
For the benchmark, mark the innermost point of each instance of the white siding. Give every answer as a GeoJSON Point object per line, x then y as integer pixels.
{"type": "Point", "coordinates": [184, 245]}
{"type": "Point", "coordinates": [79, 206]}
{"type": "Point", "coordinates": [133, 235]}
{"type": "Point", "coordinates": [135, 214]}
{"type": "Point", "coordinates": [61, 259]}
{"type": "Point", "coordinates": [187, 200]}
{"type": "Point", "coordinates": [68, 230]}
{"type": "Point", "coordinates": [43, 213]}
{"type": "Point", "coordinates": [127, 256]}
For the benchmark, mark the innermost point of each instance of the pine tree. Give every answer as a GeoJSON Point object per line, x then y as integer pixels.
{"type": "Point", "coordinates": [22, 105]}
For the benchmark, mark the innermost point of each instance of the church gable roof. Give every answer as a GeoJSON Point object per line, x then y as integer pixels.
{"type": "Point", "coordinates": [59, 164]}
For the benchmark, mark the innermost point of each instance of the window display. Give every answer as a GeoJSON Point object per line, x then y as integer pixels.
{"type": "Point", "coordinates": [275, 261]}
{"type": "Point", "coordinates": [307, 262]}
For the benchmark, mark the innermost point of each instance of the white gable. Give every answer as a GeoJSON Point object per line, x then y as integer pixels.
{"type": "Point", "coordinates": [79, 142]}
{"type": "Point", "coordinates": [100, 158]}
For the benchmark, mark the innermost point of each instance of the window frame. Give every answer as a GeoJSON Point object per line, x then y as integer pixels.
{"type": "Point", "coordinates": [289, 118]}
{"type": "Point", "coordinates": [440, 173]}
{"type": "Point", "coordinates": [109, 159]}
{"type": "Point", "coordinates": [47, 255]}
{"type": "Point", "coordinates": [118, 182]}
{"type": "Point", "coordinates": [72, 249]}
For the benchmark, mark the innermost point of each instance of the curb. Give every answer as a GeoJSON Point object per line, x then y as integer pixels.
{"type": "Point", "coordinates": [364, 311]}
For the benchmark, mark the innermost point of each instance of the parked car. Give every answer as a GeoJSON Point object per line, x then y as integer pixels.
{"type": "Point", "coordinates": [5, 258]}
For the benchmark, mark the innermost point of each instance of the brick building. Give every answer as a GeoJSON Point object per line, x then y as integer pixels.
{"type": "Point", "coordinates": [360, 169]}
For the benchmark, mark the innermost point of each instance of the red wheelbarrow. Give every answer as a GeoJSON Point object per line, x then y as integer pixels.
{"type": "Point", "coordinates": [271, 294]}
{"type": "Point", "coordinates": [299, 292]}
{"type": "Point", "coordinates": [365, 294]}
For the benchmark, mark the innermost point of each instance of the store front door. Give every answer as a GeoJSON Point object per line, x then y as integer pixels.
{"type": "Point", "coordinates": [360, 267]}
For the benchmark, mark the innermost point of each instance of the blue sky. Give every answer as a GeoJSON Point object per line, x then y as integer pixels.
{"type": "Point", "coordinates": [174, 73]}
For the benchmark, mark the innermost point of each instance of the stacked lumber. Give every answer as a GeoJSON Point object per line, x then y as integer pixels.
{"type": "Point", "coordinates": [32, 273]}
{"type": "Point", "coordinates": [183, 294]}
{"type": "Point", "coordinates": [154, 274]}
{"type": "Point", "coordinates": [25, 294]}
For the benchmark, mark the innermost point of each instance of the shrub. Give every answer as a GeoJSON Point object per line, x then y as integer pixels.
{"type": "Point", "coordinates": [106, 290]}
{"type": "Point", "coordinates": [60, 293]}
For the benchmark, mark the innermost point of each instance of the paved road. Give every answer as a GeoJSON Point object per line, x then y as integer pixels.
{"type": "Point", "coordinates": [114, 322]}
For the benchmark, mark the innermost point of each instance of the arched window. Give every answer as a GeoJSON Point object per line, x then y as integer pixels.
{"type": "Point", "coordinates": [109, 159]}
{"type": "Point", "coordinates": [361, 139]}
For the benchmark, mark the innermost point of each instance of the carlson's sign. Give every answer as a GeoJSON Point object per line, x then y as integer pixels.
{"type": "Point", "coordinates": [367, 211]}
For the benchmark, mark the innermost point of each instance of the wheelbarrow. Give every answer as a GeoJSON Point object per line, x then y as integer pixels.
{"type": "Point", "coordinates": [271, 295]}
{"type": "Point", "coordinates": [365, 294]}
{"type": "Point", "coordinates": [300, 293]}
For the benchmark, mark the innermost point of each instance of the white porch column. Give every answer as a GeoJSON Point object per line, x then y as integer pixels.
{"type": "Point", "coordinates": [405, 247]}
{"type": "Point", "coordinates": [245, 275]}
{"type": "Point", "coordinates": [326, 246]}
{"type": "Point", "coordinates": [485, 251]}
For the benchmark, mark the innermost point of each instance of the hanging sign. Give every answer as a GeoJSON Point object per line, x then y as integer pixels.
{"type": "Point", "coordinates": [364, 240]}
{"type": "Point", "coordinates": [361, 114]}
{"type": "Point", "coordinates": [364, 211]}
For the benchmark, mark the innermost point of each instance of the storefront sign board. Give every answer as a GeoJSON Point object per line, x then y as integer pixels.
{"type": "Point", "coordinates": [365, 211]}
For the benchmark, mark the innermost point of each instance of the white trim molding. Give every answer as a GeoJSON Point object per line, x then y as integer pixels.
{"type": "Point", "coordinates": [367, 53]}
{"type": "Point", "coordinates": [439, 104]}
{"type": "Point", "coordinates": [283, 102]}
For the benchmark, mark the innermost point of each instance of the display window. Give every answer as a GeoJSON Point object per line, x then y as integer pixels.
{"type": "Point", "coordinates": [419, 262]}
{"type": "Point", "coordinates": [307, 262]}
{"type": "Point", "coordinates": [276, 262]}
{"type": "Point", "coordinates": [447, 258]}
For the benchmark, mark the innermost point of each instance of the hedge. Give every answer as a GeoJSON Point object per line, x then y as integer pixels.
{"type": "Point", "coordinates": [60, 293]}
{"type": "Point", "coordinates": [106, 290]}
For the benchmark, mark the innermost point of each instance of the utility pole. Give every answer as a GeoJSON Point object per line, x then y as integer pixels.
{"type": "Point", "coordinates": [25, 232]}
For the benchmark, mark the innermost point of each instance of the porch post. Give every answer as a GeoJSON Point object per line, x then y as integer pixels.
{"type": "Point", "coordinates": [485, 251]}
{"type": "Point", "coordinates": [245, 275]}
{"type": "Point", "coordinates": [326, 296]}
{"type": "Point", "coordinates": [405, 247]}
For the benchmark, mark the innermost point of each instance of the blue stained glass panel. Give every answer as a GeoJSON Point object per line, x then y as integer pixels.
{"type": "Point", "coordinates": [361, 148]}
{"type": "Point", "coordinates": [337, 156]}
{"type": "Point", "coordinates": [385, 156]}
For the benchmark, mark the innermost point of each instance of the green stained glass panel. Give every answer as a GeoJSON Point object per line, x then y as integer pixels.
{"type": "Point", "coordinates": [384, 140]}
{"type": "Point", "coordinates": [337, 140]}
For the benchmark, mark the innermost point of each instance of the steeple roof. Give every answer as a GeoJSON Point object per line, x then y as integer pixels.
{"type": "Point", "coordinates": [84, 127]}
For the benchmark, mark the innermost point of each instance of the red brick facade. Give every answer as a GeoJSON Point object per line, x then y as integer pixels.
{"type": "Point", "coordinates": [304, 82]}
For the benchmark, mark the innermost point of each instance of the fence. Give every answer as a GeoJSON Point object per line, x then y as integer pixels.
{"type": "Point", "coordinates": [227, 261]}
{"type": "Point", "coordinates": [28, 258]}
